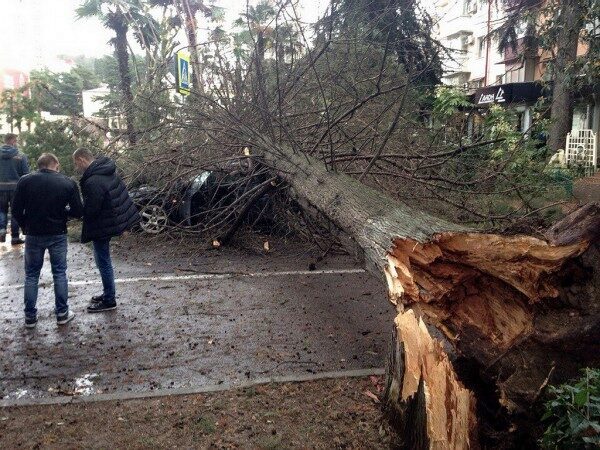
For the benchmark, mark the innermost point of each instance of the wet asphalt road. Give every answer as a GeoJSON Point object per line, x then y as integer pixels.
{"type": "Point", "coordinates": [266, 315]}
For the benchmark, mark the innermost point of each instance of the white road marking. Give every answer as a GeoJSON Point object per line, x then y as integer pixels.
{"type": "Point", "coordinates": [202, 276]}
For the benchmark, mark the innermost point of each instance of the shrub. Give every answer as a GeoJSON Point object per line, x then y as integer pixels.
{"type": "Point", "coordinates": [573, 414]}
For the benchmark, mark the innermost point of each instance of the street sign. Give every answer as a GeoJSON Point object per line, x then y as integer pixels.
{"type": "Point", "coordinates": [183, 73]}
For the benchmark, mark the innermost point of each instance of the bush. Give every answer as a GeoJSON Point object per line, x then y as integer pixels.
{"type": "Point", "coordinates": [573, 414]}
{"type": "Point", "coordinates": [59, 137]}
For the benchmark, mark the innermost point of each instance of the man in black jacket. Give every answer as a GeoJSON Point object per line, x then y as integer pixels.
{"type": "Point", "coordinates": [43, 202]}
{"type": "Point", "coordinates": [108, 211]}
{"type": "Point", "coordinates": [13, 165]}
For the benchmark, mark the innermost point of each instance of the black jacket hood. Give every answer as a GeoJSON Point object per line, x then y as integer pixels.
{"type": "Point", "coordinates": [101, 166]}
{"type": "Point", "coordinates": [108, 209]}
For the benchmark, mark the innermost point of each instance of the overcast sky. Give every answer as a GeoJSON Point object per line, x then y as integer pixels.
{"type": "Point", "coordinates": [34, 32]}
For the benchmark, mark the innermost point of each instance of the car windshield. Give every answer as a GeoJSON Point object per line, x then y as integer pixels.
{"type": "Point", "coordinates": [201, 179]}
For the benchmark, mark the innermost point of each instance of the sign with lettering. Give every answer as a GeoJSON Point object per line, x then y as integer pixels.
{"type": "Point", "coordinates": [182, 60]}
{"type": "Point", "coordinates": [523, 92]}
{"type": "Point", "coordinates": [495, 94]}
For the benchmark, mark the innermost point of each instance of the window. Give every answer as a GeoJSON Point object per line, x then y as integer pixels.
{"type": "Point", "coordinates": [516, 74]}
{"type": "Point", "coordinates": [477, 83]}
{"type": "Point", "coordinates": [464, 43]}
{"type": "Point", "coordinates": [481, 47]}
{"type": "Point", "coordinates": [524, 71]}
{"type": "Point", "coordinates": [469, 7]}
{"type": "Point", "coordinates": [458, 79]}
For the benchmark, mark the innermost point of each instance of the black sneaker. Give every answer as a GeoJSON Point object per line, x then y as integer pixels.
{"type": "Point", "coordinates": [30, 322]}
{"type": "Point", "coordinates": [17, 241]}
{"type": "Point", "coordinates": [101, 307]}
{"type": "Point", "coordinates": [97, 299]}
{"type": "Point", "coordinates": [66, 318]}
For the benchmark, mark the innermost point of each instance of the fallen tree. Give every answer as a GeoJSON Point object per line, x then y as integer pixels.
{"type": "Point", "coordinates": [483, 322]}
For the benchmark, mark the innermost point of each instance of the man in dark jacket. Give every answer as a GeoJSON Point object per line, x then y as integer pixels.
{"type": "Point", "coordinates": [108, 211]}
{"type": "Point", "coordinates": [13, 165]}
{"type": "Point", "coordinates": [43, 202]}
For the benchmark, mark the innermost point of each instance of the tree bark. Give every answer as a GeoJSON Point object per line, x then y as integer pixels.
{"type": "Point", "coordinates": [483, 321]}
{"type": "Point", "coordinates": [120, 43]}
{"type": "Point", "coordinates": [570, 22]}
{"type": "Point", "coordinates": [189, 13]}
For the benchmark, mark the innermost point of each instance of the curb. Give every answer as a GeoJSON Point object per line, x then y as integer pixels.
{"type": "Point", "coordinates": [294, 378]}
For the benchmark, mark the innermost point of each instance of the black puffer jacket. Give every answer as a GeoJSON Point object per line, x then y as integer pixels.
{"type": "Point", "coordinates": [108, 210]}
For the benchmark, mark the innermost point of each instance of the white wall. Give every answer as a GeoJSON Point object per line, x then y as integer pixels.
{"type": "Point", "coordinates": [463, 27]}
{"type": "Point", "coordinates": [92, 104]}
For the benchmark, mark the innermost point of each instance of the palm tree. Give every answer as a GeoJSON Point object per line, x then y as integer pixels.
{"type": "Point", "coordinates": [117, 15]}
{"type": "Point", "coordinates": [188, 9]}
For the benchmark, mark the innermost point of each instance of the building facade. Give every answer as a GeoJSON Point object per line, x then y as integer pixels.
{"type": "Point", "coordinates": [464, 27]}
{"type": "Point", "coordinates": [512, 77]}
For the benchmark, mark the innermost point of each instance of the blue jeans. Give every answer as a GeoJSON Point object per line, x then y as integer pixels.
{"type": "Point", "coordinates": [104, 264]}
{"type": "Point", "coordinates": [6, 198]}
{"type": "Point", "coordinates": [35, 247]}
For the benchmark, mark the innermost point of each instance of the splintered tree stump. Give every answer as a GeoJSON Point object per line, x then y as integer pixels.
{"type": "Point", "coordinates": [483, 321]}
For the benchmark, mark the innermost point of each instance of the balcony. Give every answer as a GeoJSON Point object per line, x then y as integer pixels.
{"type": "Point", "coordinates": [525, 48]}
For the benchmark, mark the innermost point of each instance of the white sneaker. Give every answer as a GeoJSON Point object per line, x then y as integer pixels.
{"type": "Point", "coordinates": [66, 318]}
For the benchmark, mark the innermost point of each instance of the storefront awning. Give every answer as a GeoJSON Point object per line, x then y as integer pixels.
{"type": "Point", "coordinates": [526, 92]}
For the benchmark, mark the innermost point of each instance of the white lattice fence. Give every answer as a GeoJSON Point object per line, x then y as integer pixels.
{"type": "Point", "coordinates": [582, 148]}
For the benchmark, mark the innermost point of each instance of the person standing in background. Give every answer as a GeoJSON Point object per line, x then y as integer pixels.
{"type": "Point", "coordinates": [13, 165]}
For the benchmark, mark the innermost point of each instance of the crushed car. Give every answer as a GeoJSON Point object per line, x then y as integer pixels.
{"type": "Point", "coordinates": [193, 202]}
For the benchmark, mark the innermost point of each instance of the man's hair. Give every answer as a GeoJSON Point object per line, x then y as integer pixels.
{"type": "Point", "coordinates": [9, 137]}
{"type": "Point", "coordinates": [46, 160]}
{"type": "Point", "coordinates": [83, 153]}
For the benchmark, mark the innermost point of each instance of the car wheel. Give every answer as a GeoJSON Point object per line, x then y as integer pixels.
{"type": "Point", "coordinates": [154, 219]}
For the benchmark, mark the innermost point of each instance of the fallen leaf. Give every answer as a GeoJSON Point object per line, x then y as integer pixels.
{"type": "Point", "coordinates": [371, 396]}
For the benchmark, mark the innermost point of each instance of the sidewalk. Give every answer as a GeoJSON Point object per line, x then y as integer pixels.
{"type": "Point", "coordinates": [322, 414]}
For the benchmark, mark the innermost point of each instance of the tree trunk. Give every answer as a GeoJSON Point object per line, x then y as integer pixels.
{"type": "Point", "coordinates": [483, 321]}
{"type": "Point", "coordinates": [189, 13]}
{"type": "Point", "coordinates": [570, 21]}
{"type": "Point", "coordinates": [120, 43]}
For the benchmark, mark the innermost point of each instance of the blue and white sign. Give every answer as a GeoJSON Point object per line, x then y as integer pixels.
{"type": "Point", "coordinates": [183, 73]}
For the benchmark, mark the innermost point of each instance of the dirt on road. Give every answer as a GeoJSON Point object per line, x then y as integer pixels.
{"type": "Point", "coordinates": [323, 414]}
{"type": "Point", "coordinates": [190, 317]}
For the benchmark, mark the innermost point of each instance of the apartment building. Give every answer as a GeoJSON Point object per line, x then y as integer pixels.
{"type": "Point", "coordinates": [512, 77]}
{"type": "Point", "coordinates": [463, 27]}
